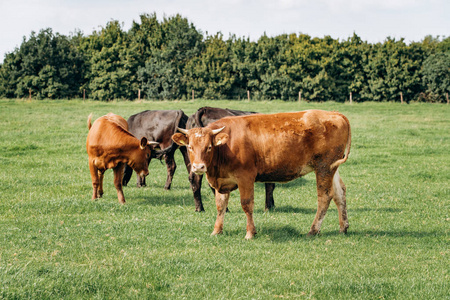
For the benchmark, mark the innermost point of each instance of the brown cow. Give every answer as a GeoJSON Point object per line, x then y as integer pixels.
{"type": "Point", "coordinates": [110, 146]}
{"type": "Point", "coordinates": [234, 152]}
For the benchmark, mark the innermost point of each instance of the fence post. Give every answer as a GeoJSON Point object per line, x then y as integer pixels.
{"type": "Point", "coordinates": [29, 91]}
{"type": "Point", "coordinates": [193, 95]}
{"type": "Point", "coordinates": [351, 98]}
{"type": "Point", "coordinates": [401, 97]}
{"type": "Point", "coordinates": [248, 95]}
{"type": "Point", "coordinates": [447, 98]}
{"type": "Point", "coordinates": [84, 94]}
{"type": "Point", "coordinates": [299, 97]}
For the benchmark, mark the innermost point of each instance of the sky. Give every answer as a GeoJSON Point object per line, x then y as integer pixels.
{"type": "Point", "coordinates": [372, 20]}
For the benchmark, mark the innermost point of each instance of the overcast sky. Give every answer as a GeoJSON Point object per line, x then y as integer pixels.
{"type": "Point", "coordinates": [372, 20]}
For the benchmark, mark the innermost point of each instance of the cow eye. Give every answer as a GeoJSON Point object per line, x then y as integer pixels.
{"type": "Point", "coordinates": [189, 148]}
{"type": "Point", "coordinates": [209, 148]}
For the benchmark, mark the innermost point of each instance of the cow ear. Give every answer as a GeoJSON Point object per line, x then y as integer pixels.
{"type": "Point", "coordinates": [180, 139]}
{"type": "Point", "coordinates": [143, 143]}
{"type": "Point", "coordinates": [220, 139]}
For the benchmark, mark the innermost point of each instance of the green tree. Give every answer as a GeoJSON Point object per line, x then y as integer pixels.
{"type": "Point", "coordinates": [243, 55]}
{"type": "Point", "coordinates": [163, 76]}
{"type": "Point", "coordinates": [48, 64]}
{"type": "Point", "coordinates": [345, 68]}
{"type": "Point", "coordinates": [112, 64]}
{"type": "Point", "coordinates": [393, 68]}
{"type": "Point", "coordinates": [211, 74]}
{"type": "Point", "coordinates": [436, 77]}
{"type": "Point", "coordinates": [169, 58]}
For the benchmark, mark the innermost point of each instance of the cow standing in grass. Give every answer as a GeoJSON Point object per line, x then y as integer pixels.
{"type": "Point", "coordinates": [158, 126]}
{"type": "Point", "coordinates": [234, 152]}
{"type": "Point", "coordinates": [202, 118]}
{"type": "Point", "coordinates": [110, 146]}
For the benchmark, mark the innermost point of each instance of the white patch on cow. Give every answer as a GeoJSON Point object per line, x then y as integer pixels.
{"type": "Point", "coordinates": [306, 170]}
{"type": "Point", "coordinates": [198, 134]}
{"type": "Point", "coordinates": [337, 188]}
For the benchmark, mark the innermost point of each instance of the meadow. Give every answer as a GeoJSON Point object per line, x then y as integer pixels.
{"type": "Point", "coordinates": [55, 242]}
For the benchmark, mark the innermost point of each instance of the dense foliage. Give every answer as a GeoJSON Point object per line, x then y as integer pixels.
{"type": "Point", "coordinates": [169, 59]}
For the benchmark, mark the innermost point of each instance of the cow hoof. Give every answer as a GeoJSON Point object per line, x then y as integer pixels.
{"type": "Point", "coordinates": [249, 235]}
{"type": "Point", "coordinates": [344, 231]}
{"type": "Point", "coordinates": [216, 232]}
{"type": "Point", "coordinates": [313, 233]}
{"type": "Point", "coordinates": [199, 210]}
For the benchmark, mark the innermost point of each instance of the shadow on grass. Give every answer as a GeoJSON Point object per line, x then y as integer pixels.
{"type": "Point", "coordinates": [289, 233]}
{"type": "Point", "coordinates": [164, 199]}
{"type": "Point", "coordinates": [294, 183]}
{"type": "Point", "coordinates": [306, 211]}
{"type": "Point", "coordinates": [282, 234]}
{"type": "Point", "coordinates": [394, 234]}
{"type": "Point", "coordinates": [379, 209]}
{"type": "Point", "coordinates": [291, 209]}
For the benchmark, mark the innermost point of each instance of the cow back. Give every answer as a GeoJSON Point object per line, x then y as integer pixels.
{"type": "Point", "coordinates": [157, 125]}
{"type": "Point", "coordinates": [282, 146]}
{"type": "Point", "coordinates": [207, 115]}
{"type": "Point", "coordinates": [109, 131]}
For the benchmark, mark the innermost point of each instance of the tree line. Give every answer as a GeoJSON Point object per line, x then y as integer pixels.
{"type": "Point", "coordinates": [169, 59]}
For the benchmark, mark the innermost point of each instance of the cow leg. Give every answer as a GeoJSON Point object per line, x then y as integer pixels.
{"type": "Point", "coordinates": [324, 195]}
{"type": "Point", "coordinates": [213, 190]}
{"type": "Point", "coordinates": [95, 180]}
{"type": "Point", "coordinates": [270, 203]}
{"type": "Point", "coordinates": [339, 198]}
{"type": "Point", "coordinates": [194, 180]}
{"type": "Point", "coordinates": [118, 175]}
{"type": "Point", "coordinates": [127, 175]}
{"type": "Point", "coordinates": [140, 181]}
{"type": "Point", "coordinates": [247, 202]}
{"type": "Point", "coordinates": [171, 167]}
{"type": "Point", "coordinates": [221, 204]}
{"type": "Point", "coordinates": [187, 162]}
{"type": "Point", "coordinates": [101, 175]}
{"type": "Point", "coordinates": [196, 186]}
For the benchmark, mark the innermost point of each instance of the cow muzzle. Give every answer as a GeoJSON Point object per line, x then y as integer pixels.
{"type": "Point", "coordinates": [199, 169]}
{"type": "Point", "coordinates": [143, 173]}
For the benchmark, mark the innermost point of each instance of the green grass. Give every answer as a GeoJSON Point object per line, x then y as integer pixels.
{"type": "Point", "coordinates": [55, 242]}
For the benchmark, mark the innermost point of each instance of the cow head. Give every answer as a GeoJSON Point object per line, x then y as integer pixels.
{"type": "Point", "coordinates": [140, 161]}
{"type": "Point", "coordinates": [201, 144]}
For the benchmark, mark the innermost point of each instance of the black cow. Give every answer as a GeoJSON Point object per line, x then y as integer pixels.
{"type": "Point", "coordinates": [158, 126]}
{"type": "Point", "coordinates": [203, 117]}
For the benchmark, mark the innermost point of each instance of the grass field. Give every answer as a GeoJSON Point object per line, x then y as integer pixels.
{"type": "Point", "coordinates": [55, 242]}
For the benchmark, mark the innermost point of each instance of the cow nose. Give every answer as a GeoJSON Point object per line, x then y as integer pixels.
{"type": "Point", "coordinates": [199, 168]}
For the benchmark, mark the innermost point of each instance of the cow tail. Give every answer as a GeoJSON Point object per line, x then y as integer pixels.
{"type": "Point", "coordinates": [347, 151]}
{"type": "Point", "coordinates": [181, 120]}
{"type": "Point", "coordinates": [89, 121]}
{"type": "Point", "coordinates": [159, 154]}
{"type": "Point", "coordinates": [198, 117]}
